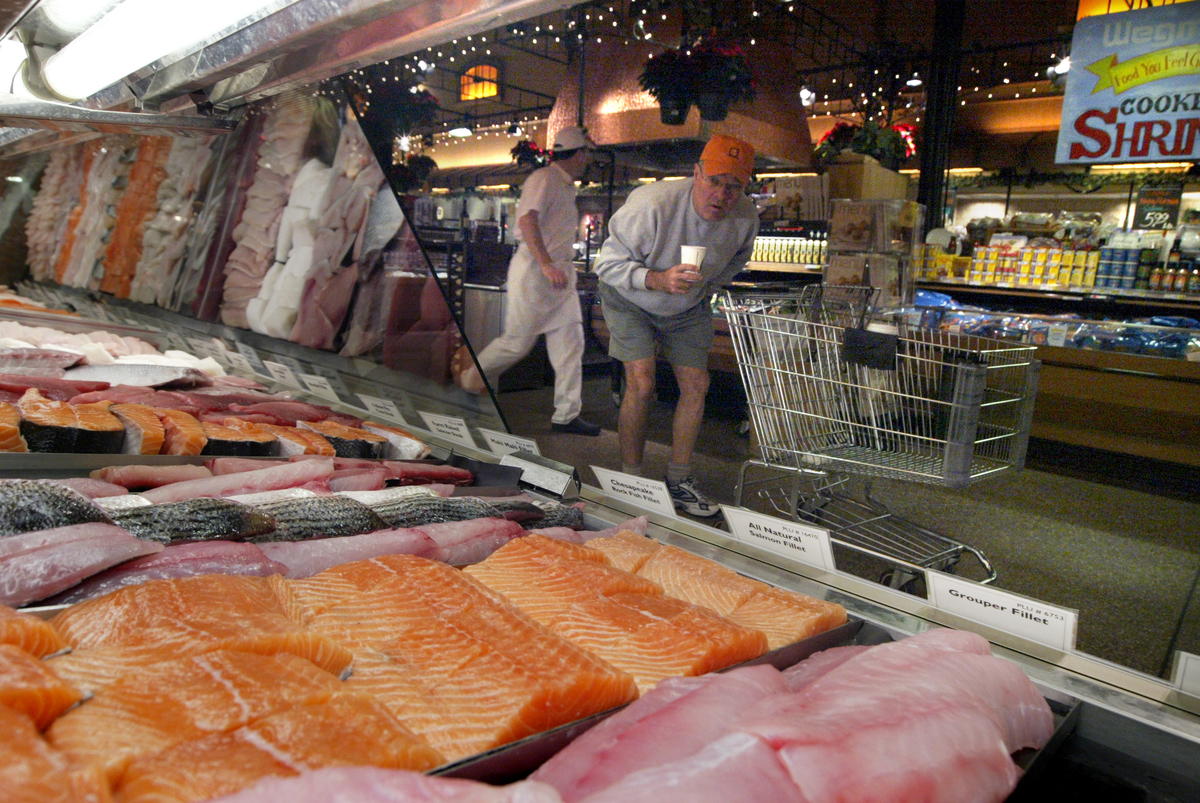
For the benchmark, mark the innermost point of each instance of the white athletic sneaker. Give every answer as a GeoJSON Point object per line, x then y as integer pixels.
{"type": "Point", "coordinates": [688, 498]}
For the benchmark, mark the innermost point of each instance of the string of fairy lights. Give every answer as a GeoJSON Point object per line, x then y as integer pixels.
{"type": "Point", "coordinates": [848, 92]}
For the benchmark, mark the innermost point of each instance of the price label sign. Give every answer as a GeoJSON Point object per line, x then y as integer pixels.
{"type": "Point", "coordinates": [790, 539]}
{"type": "Point", "coordinates": [452, 429]}
{"type": "Point", "coordinates": [252, 357]}
{"type": "Point", "coordinates": [503, 443]}
{"type": "Point", "coordinates": [382, 408]}
{"type": "Point", "coordinates": [134, 322]}
{"type": "Point", "coordinates": [335, 381]}
{"type": "Point", "coordinates": [1157, 208]}
{"type": "Point", "coordinates": [281, 373]}
{"type": "Point", "coordinates": [239, 362]}
{"type": "Point", "coordinates": [291, 362]}
{"type": "Point", "coordinates": [320, 386]}
{"type": "Point", "coordinates": [548, 479]}
{"type": "Point", "coordinates": [202, 347]}
{"type": "Point", "coordinates": [1023, 617]}
{"type": "Point", "coordinates": [1187, 673]}
{"type": "Point", "coordinates": [176, 342]}
{"type": "Point", "coordinates": [1057, 336]}
{"type": "Point", "coordinates": [649, 494]}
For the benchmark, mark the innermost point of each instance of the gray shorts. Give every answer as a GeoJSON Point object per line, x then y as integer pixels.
{"type": "Point", "coordinates": [684, 339]}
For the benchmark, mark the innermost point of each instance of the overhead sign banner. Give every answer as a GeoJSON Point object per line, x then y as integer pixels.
{"type": "Point", "coordinates": [1133, 91]}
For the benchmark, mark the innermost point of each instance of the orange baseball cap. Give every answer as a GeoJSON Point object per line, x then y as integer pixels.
{"type": "Point", "coordinates": [725, 154]}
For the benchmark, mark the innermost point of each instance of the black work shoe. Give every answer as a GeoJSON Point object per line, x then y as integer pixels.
{"type": "Point", "coordinates": [578, 426]}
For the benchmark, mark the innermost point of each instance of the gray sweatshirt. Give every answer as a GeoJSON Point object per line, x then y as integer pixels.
{"type": "Point", "coordinates": [645, 234]}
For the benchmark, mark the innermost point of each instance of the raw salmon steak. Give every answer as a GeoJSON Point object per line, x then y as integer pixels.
{"type": "Point", "coordinates": [293, 440]}
{"type": "Point", "coordinates": [152, 709]}
{"type": "Point", "coordinates": [348, 441]}
{"type": "Point", "coordinates": [242, 439]}
{"type": "Point", "coordinates": [452, 660]}
{"type": "Point", "coordinates": [33, 635]}
{"type": "Point", "coordinates": [348, 730]}
{"type": "Point", "coordinates": [32, 771]}
{"type": "Point", "coordinates": [10, 430]}
{"type": "Point", "coordinates": [56, 426]}
{"type": "Point", "coordinates": [196, 615]}
{"type": "Point", "coordinates": [144, 432]}
{"type": "Point", "coordinates": [27, 685]}
{"type": "Point", "coordinates": [182, 433]}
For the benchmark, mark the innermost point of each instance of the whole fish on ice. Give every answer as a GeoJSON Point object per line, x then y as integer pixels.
{"type": "Point", "coordinates": [141, 374]}
{"type": "Point", "coordinates": [420, 510]}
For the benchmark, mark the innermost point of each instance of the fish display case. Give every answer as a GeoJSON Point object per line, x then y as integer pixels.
{"type": "Point", "coordinates": [276, 250]}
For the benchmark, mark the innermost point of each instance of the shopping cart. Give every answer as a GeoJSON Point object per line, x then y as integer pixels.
{"type": "Point", "coordinates": [836, 402]}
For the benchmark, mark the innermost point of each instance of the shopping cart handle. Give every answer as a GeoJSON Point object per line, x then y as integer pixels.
{"type": "Point", "coordinates": [869, 349]}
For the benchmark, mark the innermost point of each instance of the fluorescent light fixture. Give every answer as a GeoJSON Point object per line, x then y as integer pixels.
{"type": "Point", "coordinates": [74, 16]}
{"type": "Point", "coordinates": [910, 172]}
{"type": "Point", "coordinates": [462, 130]}
{"type": "Point", "coordinates": [965, 171]}
{"type": "Point", "coordinates": [647, 180]}
{"type": "Point", "coordinates": [1170, 167]}
{"type": "Point", "coordinates": [140, 32]}
{"type": "Point", "coordinates": [14, 179]}
{"type": "Point", "coordinates": [783, 175]}
{"type": "Point", "coordinates": [915, 81]}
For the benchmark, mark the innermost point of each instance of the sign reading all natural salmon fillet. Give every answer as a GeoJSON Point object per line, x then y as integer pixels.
{"type": "Point", "coordinates": [1133, 92]}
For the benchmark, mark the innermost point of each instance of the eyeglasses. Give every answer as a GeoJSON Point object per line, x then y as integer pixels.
{"type": "Point", "coordinates": [714, 183]}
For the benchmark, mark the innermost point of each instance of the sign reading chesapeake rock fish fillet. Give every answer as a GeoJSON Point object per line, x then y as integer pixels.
{"type": "Point", "coordinates": [1132, 90]}
{"type": "Point", "coordinates": [646, 493]}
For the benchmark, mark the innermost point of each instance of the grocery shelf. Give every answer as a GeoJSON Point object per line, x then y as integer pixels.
{"type": "Point", "coordinates": [1114, 296]}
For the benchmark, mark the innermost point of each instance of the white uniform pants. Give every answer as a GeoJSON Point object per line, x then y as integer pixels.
{"type": "Point", "coordinates": [565, 347]}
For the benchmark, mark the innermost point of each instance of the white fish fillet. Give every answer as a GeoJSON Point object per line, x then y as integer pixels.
{"type": "Point", "coordinates": [64, 559]}
{"type": "Point", "coordinates": [268, 479]}
{"type": "Point", "coordinates": [652, 733]}
{"type": "Point", "coordinates": [306, 558]}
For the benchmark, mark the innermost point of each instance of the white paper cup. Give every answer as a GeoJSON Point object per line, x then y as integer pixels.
{"type": "Point", "coordinates": [692, 254]}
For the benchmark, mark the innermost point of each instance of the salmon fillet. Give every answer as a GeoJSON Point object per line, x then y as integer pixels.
{"type": "Point", "coordinates": [348, 730]}
{"type": "Point", "coordinates": [135, 209]}
{"type": "Point", "coordinates": [32, 771]}
{"type": "Point", "coordinates": [240, 438]}
{"type": "Point", "coordinates": [626, 550]}
{"type": "Point", "coordinates": [56, 426]}
{"type": "Point", "coordinates": [786, 617]}
{"type": "Point", "coordinates": [10, 429]}
{"type": "Point", "coordinates": [159, 706]}
{"type": "Point", "coordinates": [28, 686]}
{"type": "Point", "coordinates": [182, 433]}
{"type": "Point", "coordinates": [306, 441]}
{"type": "Point", "coordinates": [698, 580]}
{"type": "Point", "coordinates": [653, 636]}
{"type": "Point", "coordinates": [31, 634]}
{"type": "Point", "coordinates": [450, 658]}
{"type": "Point", "coordinates": [194, 615]}
{"type": "Point", "coordinates": [543, 576]}
{"type": "Point", "coordinates": [144, 433]}
{"type": "Point", "coordinates": [621, 617]}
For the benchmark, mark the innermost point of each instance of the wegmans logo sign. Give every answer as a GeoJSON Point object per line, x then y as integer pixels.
{"type": "Point", "coordinates": [1133, 93]}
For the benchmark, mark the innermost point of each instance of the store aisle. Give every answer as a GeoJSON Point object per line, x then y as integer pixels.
{"type": "Point", "coordinates": [1120, 548]}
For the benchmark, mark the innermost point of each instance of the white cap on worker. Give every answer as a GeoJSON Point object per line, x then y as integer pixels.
{"type": "Point", "coordinates": [571, 138]}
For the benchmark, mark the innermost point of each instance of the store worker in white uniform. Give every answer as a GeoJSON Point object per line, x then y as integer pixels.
{"type": "Point", "coordinates": [541, 297]}
{"type": "Point", "coordinates": [654, 302]}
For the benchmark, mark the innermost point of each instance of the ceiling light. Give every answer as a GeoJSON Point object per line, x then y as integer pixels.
{"type": "Point", "coordinates": [807, 96]}
{"type": "Point", "coordinates": [516, 130]}
{"type": "Point", "coordinates": [915, 81]}
{"type": "Point", "coordinates": [1064, 66]}
{"type": "Point", "coordinates": [140, 32]}
{"type": "Point", "coordinates": [462, 130]}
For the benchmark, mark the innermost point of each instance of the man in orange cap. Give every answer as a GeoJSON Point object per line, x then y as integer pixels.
{"type": "Point", "coordinates": [653, 299]}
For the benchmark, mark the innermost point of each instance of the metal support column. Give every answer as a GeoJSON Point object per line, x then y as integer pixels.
{"type": "Point", "coordinates": [941, 99]}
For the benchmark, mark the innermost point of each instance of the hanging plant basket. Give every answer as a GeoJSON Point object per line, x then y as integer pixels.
{"type": "Point", "coordinates": [713, 106]}
{"type": "Point", "coordinates": [673, 111]}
